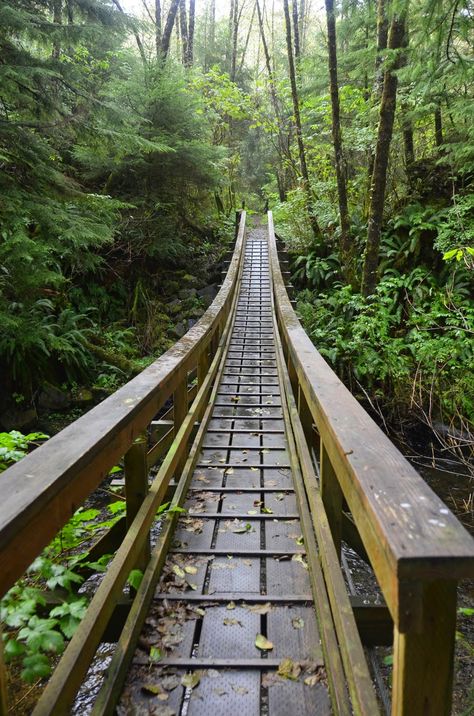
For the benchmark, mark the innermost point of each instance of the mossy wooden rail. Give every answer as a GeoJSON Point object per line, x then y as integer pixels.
{"type": "Point", "coordinates": [267, 424]}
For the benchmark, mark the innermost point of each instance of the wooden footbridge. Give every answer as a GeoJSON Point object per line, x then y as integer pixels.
{"type": "Point", "coordinates": [244, 608]}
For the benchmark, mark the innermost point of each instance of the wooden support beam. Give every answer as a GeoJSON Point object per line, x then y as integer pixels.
{"type": "Point", "coordinates": [180, 410]}
{"type": "Point", "coordinates": [136, 488]}
{"type": "Point", "coordinates": [332, 497]}
{"type": "Point", "coordinates": [423, 660]}
{"type": "Point", "coordinates": [373, 621]}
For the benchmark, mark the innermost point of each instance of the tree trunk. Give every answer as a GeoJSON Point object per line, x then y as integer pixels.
{"type": "Point", "coordinates": [438, 121]}
{"type": "Point", "coordinates": [299, 132]}
{"type": "Point", "coordinates": [407, 126]}
{"type": "Point", "coordinates": [235, 34]}
{"type": "Point", "coordinates": [301, 24]}
{"type": "Point", "coordinates": [135, 32]}
{"type": "Point", "coordinates": [280, 174]}
{"type": "Point", "coordinates": [183, 24]}
{"type": "Point", "coordinates": [158, 27]}
{"type": "Point", "coordinates": [346, 247]}
{"type": "Point", "coordinates": [192, 19]}
{"type": "Point", "coordinates": [382, 36]}
{"type": "Point", "coordinates": [165, 40]}
{"type": "Point", "coordinates": [247, 40]}
{"type": "Point", "coordinates": [210, 34]}
{"type": "Point", "coordinates": [296, 31]}
{"type": "Point", "coordinates": [57, 20]}
{"type": "Point", "coordinates": [384, 138]}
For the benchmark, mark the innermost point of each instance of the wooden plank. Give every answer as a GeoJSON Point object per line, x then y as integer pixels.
{"type": "Point", "coordinates": [423, 660]}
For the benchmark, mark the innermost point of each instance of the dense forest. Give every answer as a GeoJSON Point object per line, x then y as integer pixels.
{"type": "Point", "coordinates": [130, 134]}
{"type": "Point", "coordinates": [132, 131]}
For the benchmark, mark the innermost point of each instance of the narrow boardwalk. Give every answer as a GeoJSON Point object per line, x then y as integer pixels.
{"type": "Point", "coordinates": [237, 567]}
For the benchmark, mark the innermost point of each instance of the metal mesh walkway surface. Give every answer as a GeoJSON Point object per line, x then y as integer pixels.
{"type": "Point", "coordinates": [233, 608]}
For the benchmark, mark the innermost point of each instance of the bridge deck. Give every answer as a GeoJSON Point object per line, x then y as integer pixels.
{"type": "Point", "coordinates": [237, 567]}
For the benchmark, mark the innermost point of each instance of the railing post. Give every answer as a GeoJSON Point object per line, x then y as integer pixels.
{"type": "Point", "coordinates": [3, 680]}
{"type": "Point", "coordinates": [332, 496]}
{"type": "Point", "coordinates": [306, 419]}
{"type": "Point", "coordinates": [292, 376]}
{"type": "Point", "coordinates": [136, 487]}
{"type": "Point", "coordinates": [423, 660]}
{"type": "Point", "coordinates": [180, 410]}
{"type": "Point", "coordinates": [215, 341]}
{"type": "Point", "coordinates": [203, 366]}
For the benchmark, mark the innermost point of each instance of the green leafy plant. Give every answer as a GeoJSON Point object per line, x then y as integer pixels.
{"type": "Point", "coordinates": [14, 445]}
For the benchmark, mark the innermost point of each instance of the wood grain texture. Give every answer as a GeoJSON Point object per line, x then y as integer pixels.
{"type": "Point", "coordinates": [423, 661]}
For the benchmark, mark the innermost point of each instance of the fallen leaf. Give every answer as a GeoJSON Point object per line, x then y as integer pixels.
{"type": "Point", "coordinates": [155, 654]}
{"type": "Point", "coordinates": [191, 680]}
{"type": "Point", "coordinates": [231, 605]}
{"type": "Point", "coordinates": [270, 678]}
{"type": "Point", "coordinates": [239, 689]}
{"type": "Point", "coordinates": [241, 530]}
{"type": "Point", "coordinates": [178, 571]}
{"type": "Point", "coordinates": [260, 608]}
{"type": "Point", "coordinates": [300, 540]}
{"type": "Point", "coordinates": [254, 469]}
{"type": "Point", "coordinates": [232, 622]}
{"type": "Point", "coordinates": [229, 471]}
{"type": "Point", "coordinates": [262, 643]}
{"type": "Point", "coordinates": [289, 669]}
{"type": "Point", "coordinates": [153, 689]}
{"type": "Point", "coordinates": [312, 680]}
{"type": "Point", "coordinates": [299, 558]}
{"type": "Point", "coordinates": [267, 511]}
{"type": "Point", "coordinates": [297, 622]}
{"type": "Point", "coordinates": [189, 569]}
{"type": "Point", "coordinates": [252, 512]}
{"type": "Point", "coordinates": [170, 682]}
{"type": "Point", "coordinates": [192, 586]}
{"type": "Point", "coordinates": [219, 692]}
{"type": "Point", "coordinates": [213, 673]}
{"type": "Point", "coordinates": [279, 496]}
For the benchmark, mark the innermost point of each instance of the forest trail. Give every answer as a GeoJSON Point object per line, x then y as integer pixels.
{"type": "Point", "coordinates": [240, 543]}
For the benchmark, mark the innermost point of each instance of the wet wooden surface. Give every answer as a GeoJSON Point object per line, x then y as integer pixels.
{"type": "Point", "coordinates": [237, 568]}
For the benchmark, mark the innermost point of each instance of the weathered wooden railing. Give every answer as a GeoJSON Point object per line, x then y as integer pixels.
{"type": "Point", "coordinates": [41, 493]}
{"type": "Point", "coordinates": [417, 548]}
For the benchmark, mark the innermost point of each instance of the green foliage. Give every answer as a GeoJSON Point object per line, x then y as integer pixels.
{"type": "Point", "coordinates": [33, 635]}
{"type": "Point", "coordinates": [14, 446]}
{"type": "Point", "coordinates": [412, 343]}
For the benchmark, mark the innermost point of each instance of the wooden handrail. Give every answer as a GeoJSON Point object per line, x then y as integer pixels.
{"type": "Point", "coordinates": [40, 493]}
{"type": "Point", "coordinates": [416, 546]}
